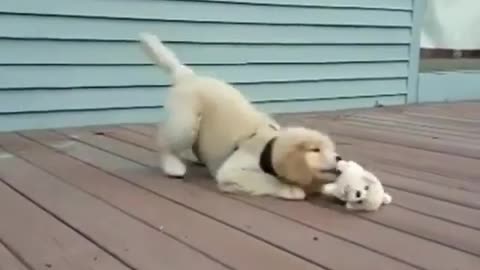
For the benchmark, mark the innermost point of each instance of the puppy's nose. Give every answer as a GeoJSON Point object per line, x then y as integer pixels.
{"type": "Point", "coordinates": [338, 158]}
{"type": "Point", "coordinates": [358, 194]}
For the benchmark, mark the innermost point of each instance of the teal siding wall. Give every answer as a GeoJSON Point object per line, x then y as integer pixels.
{"type": "Point", "coordinates": [448, 86]}
{"type": "Point", "coordinates": [73, 63]}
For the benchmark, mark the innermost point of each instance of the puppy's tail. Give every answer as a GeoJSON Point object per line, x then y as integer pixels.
{"type": "Point", "coordinates": [163, 56]}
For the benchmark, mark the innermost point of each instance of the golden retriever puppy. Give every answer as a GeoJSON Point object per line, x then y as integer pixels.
{"type": "Point", "coordinates": [244, 149]}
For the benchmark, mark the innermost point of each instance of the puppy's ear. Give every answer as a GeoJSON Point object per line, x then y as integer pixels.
{"type": "Point", "coordinates": [387, 198]}
{"type": "Point", "coordinates": [294, 167]}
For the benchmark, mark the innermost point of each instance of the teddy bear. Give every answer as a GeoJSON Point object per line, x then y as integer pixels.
{"type": "Point", "coordinates": [357, 187]}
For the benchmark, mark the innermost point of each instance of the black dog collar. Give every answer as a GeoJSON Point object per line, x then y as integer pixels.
{"type": "Point", "coordinates": [266, 158]}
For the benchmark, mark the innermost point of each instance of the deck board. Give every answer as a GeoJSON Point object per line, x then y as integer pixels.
{"type": "Point", "coordinates": [420, 225]}
{"type": "Point", "coordinates": [89, 198]}
{"type": "Point", "coordinates": [361, 150]}
{"type": "Point", "coordinates": [462, 213]}
{"type": "Point", "coordinates": [8, 260]}
{"type": "Point", "coordinates": [294, 237]}
{"type": "Point", "coordinates": [210, 236]}
{"type": "Point", "coordinates": [41, 240]}
{"type": "Point", "coordinates": [140, 246]}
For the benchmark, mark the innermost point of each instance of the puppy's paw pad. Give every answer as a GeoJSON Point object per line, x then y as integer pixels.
{"type": "Point", "coordinates": [173, 167]}
{"type": "Point", "coordinates": [292, 193]}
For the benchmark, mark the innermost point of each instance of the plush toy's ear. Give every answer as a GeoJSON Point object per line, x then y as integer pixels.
{"type": "Point", "coordinates": [387, 198]}
{"type": "Point", "coordinates": [370, 177]}
{"type": "Point", "coordinates": [342, 165]}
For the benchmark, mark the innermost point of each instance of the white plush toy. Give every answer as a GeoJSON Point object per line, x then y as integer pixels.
{"type": "Point", "coordinates": [359, 188]}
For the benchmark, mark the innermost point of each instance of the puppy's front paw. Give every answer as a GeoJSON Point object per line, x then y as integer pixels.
{"type": "Point", "coordinates": [292, 193]}
{"type": "Point", "coordinates": [173, 167]}
{"type": "Point", "coordinates": [329, 189]}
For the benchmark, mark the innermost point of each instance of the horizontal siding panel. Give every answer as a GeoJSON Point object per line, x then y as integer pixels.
{"type": "Point", "coordinates": [103, 98]}
{"type": "Point", "coordinates": [208, 12]}
{"type": "Point", "coordinates": [381, 4]}
{"type": "Point", "coordinates": [297, 106]}
{"type": "Point", "coordinates": [80, 99]}
{"type": "Point", "coordinates": [82, 76]}
{"type": "Point", "coordinates": [150, 115]}
{"type": "Point", "coordinates": [74, 63]}
{"type": "Point", "coordinates": [107, 52]}
{"type": "Point", "coordinates": [54, 27]}
{"type": "Point", "coordinates": [448, 86]}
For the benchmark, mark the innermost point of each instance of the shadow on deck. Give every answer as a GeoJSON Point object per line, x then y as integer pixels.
{"type": "Point", "coordinates": [88, 199]}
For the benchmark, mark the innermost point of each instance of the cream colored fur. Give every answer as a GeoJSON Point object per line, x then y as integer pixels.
{"type": "Point", "coordinates": [227, 133]}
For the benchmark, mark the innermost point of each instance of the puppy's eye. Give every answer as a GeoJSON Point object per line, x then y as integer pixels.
{"type": "Point", "coordinates": [367, 187]}
{"type": "Point", "coordinates": [360, 202]}
{"type": "Point", "coordinates": [315, 150]}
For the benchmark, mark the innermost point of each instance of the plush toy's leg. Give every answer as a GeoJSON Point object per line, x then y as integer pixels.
{"type": "Point", "coordinates": [387, 198]}
{"type": "Point", "coordinates": [329, 189]}
{"type": "Point", "coordinates": [350, 206]}
{"type": "Point", "coordinates": [233, 178]}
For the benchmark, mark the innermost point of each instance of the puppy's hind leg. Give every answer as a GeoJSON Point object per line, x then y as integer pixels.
{"type": "Point", "coordinates": [179, 134]}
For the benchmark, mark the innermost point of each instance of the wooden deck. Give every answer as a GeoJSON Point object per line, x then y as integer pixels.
{"type": "Point", "coordinates": [89, 199]}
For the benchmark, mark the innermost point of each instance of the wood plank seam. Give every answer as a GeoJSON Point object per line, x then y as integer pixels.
{"type": "Point", "coordinates": [410, 123]}
{"type": "Point", "coordinates": [127, 213]}
{"type": "Point", "coordinates": [420, 193]}
{"type": "Point", "coordinates": [13, 252]}
{"type": "Point", "coordinates": [256, 206]}
{"type": "Point", "coordinates": [149, 148]}
{"type": "Point", "coordinates": [394, 228]}
{"type": "Point", "coordinates": [410, 131]}
{"type": "Point", "coordinates": [406, 208]}
{"type": "Point", "coordinates": [419, 235]}
{"type": "Point", "coordinates": [459, 138]}
{"type": "Point", "coordinates": [405, 144]}
{"type": "Point", "coordinates": [84, 235]}
{"type": "Point", "coordinates": [333, 235]}
{"type": "Point", "coordinates": [129, 181]}
{"type": "Point", "coordinates": [117, 208]}
{"type": "Point", "coordinates": [126, 264]}
{"type": "Point", "coordinates": [438, 217]}
{"type": "Point", "coordinates": [382, 224]}
{"type": "Point", "coordinates": [429, 181]}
